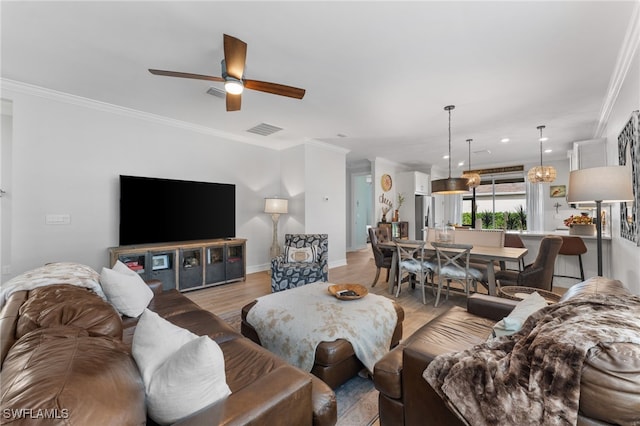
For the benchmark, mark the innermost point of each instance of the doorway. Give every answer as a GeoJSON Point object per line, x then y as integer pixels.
{"type": "Point", "coordinates": [362, 193]}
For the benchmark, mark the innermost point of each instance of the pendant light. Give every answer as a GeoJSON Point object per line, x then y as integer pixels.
{"type": "Point", "coordinates": [450, 185]}
{"type": "Point", "coordinates": [473, 179]}
{"type": "Point", "coordinates": [541, 174]}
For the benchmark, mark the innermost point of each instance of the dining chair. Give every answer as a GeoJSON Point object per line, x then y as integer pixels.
{"type": "Point", "coordinates": [539, 274]}
{"type": "Point", "coordinates": [382, 257]}
{"type": "Point", "coordinates": [412, 262]}
{"type": "Point", "coordinates": [453, 265]}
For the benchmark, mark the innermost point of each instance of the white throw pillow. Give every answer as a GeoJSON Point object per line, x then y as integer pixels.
{"type": "Point", "coordinates": [188, 381]}
{"type": "Point", "coordinates": [125, 289]}
{"type": "Point", "coordinates": [301, 254]}
{"type": "Point", "coordinates": [182, 373]}
{"type": "Point", "coordinates": [514, 321]}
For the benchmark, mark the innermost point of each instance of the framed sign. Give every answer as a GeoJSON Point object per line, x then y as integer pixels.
{"type": "Point", "coordinates": [628, 154]}
{"type": "Point", "coordinates": [558, 191]}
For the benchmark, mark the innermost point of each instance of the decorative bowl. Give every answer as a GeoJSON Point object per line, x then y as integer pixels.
{"type": "Point", "coordinates": [359, 290]}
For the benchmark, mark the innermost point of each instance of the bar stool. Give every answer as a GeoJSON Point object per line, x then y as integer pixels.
{"type": "Point", "coordinates": [573, 246]}
{"type": "Point", "coordinates": [514, 240]}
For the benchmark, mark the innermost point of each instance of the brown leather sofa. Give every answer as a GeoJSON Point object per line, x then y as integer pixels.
{"type": "Point", "coordinates": [610, 384]}
{"type": "Point", "coordinates": [67, 351]}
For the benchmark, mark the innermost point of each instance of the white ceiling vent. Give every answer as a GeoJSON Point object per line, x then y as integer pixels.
{"type": "Point", "coordinates": [219, 93]}
{"type": "Point", "coordinates": [264, 129]}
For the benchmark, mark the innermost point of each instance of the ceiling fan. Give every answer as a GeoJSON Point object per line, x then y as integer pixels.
{"type": "Point", "coordinates": [235, 54]}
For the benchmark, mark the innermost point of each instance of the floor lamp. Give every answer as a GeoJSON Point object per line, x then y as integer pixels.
{"type": "Point", "coordinates": [609, 184]}
{"type": "Point", "coordinates": [276, 207]}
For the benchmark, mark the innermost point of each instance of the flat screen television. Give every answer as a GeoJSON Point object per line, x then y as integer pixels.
{"type": "Point", "coordinates": [154, 210]}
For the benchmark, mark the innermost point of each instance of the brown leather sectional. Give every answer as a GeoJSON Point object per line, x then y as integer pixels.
{"type": "Point", "coordinates": [67, 351]}
{"type": "Point", "coordinates": [610, 384]}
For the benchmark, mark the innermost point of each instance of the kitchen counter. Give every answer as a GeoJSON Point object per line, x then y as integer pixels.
{"type": "Point", "coordinates": [561, 232]}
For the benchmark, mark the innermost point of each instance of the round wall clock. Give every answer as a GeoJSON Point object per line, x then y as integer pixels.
{"type": "Point", "coordinates": [386, 182]}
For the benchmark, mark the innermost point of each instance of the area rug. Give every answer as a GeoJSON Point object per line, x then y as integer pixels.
{"type": "Point", "coordinates": [357, 398]}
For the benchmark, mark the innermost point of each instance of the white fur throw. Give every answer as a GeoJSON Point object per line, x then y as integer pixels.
{"type": "Point", "coordinates": [53, 273]}
{"type": "Point", "coordinates": [292, 323]}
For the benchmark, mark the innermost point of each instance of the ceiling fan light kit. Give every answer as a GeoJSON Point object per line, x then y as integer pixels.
{"type": "Point", "coordinates": [233, 86]}
{"type": "Point", "coordinates": [541, 174]}
{"type": "Point", "coordinates": [450, 185]}
{"type": "Point", "coordinates": [235, 53]}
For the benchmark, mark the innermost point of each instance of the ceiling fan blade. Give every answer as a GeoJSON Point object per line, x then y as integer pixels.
{"type": "Point", "coordinates": [275, 88]}
{"type": "Point", "coordinates": [186, 75]}
{"type": "Point", "coordinates": [235, 55]}
{"type": "Point", "coordinates": [233, 102]}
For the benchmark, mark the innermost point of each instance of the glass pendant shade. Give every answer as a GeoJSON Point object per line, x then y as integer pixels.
{"type": "Point", "coordinates": [473, 179]}
{"type": "Point", "coordinates": [450, 185]}
{"type": "Point", "coordinates": [541, 174]}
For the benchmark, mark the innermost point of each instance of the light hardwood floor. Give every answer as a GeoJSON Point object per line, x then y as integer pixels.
{"type": "Point", "coordinates": [230, 298]}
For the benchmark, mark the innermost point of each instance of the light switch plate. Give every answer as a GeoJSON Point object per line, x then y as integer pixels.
{"type": "Point", "coordinates": [58, 219]}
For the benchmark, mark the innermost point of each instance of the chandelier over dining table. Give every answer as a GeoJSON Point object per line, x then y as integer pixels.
{"type": "Point", "coordinates": [541, 174]}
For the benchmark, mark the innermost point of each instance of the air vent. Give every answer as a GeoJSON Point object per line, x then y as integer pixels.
{"type": "Point", "coordinates": [218, 93]}
{"type": "Point", "coordinates": [264, 129]}
{"type": "Point", "coordinates": [482, 151]}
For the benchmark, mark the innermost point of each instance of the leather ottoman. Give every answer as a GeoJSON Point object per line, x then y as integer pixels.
{"type": "Point", "coordinates": [334, 362]}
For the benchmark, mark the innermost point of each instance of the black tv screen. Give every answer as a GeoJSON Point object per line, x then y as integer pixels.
{"type": "Point", "coordinates": [156, 210]}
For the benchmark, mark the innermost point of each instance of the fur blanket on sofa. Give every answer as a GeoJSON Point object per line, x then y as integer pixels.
{"type": "Point", "coordinates": [533, 377]}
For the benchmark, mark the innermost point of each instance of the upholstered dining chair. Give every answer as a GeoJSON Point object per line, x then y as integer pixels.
{"type": "Point", "coordinates": [381, 256]}
{"type": "Point", "coordinates": [453, 265]}
{"type": "Point", "coordinates": [539, 274]}
{"type": "Point", "coordinates": [304, 261]}
{"type": "Point", "coordinates": [413, 265]}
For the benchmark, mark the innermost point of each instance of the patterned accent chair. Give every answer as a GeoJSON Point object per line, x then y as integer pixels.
{"type": "Point", "coordinates": [286, 275]}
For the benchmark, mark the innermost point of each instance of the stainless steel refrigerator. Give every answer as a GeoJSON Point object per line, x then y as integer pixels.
{"type": "Point", "coordinates": [424, 214]}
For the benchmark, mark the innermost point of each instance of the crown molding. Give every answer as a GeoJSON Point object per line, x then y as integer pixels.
{"type": "Point", "coordinates": [29, 89]}
{"type": "Point", "coordinates": [324, 145]}
{"type": "Point", "coordinates": [623, 64]}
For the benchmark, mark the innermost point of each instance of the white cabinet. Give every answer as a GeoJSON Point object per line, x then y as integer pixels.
{"type": "Point", "coordinates": [588, 153]}
{"type": "Point", "coordinates": [421, 183]}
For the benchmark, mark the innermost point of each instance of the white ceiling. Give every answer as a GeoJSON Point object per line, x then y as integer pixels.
{"type": "Point", "coordinates": [378, 72]}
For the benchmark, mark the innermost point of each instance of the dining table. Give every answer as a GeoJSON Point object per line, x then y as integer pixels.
{"type": "Point", "coordinates": [481, 253]}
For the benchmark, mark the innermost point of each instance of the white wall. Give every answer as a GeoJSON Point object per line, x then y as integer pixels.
{"type": "Point", "coordinates": [625, 254]}
{"type": "Point", "coordinates": [325, 197]}
{"type": "Point", "coordinates": [68, 153]}
{"type": "Point", "coordinates": [5, 184]}
{"type": "Point", "coordinates": [313, 178]}
{"type": "Point", "coordinates": [381, 167]}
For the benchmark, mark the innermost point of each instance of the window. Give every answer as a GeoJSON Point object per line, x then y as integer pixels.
{"type": "Point", "coordinates": [500, 203]}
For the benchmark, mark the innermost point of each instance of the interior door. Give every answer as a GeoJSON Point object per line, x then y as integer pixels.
{"type": "Point", "coordinates": [362, 192]}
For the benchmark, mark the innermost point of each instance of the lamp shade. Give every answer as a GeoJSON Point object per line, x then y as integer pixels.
{"type": "Point", "coordinates": [276, 205]}
{"type": "Point", "coordinates": [449, 186]}
{"type": "Point", "coordinates": [608, 184]}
